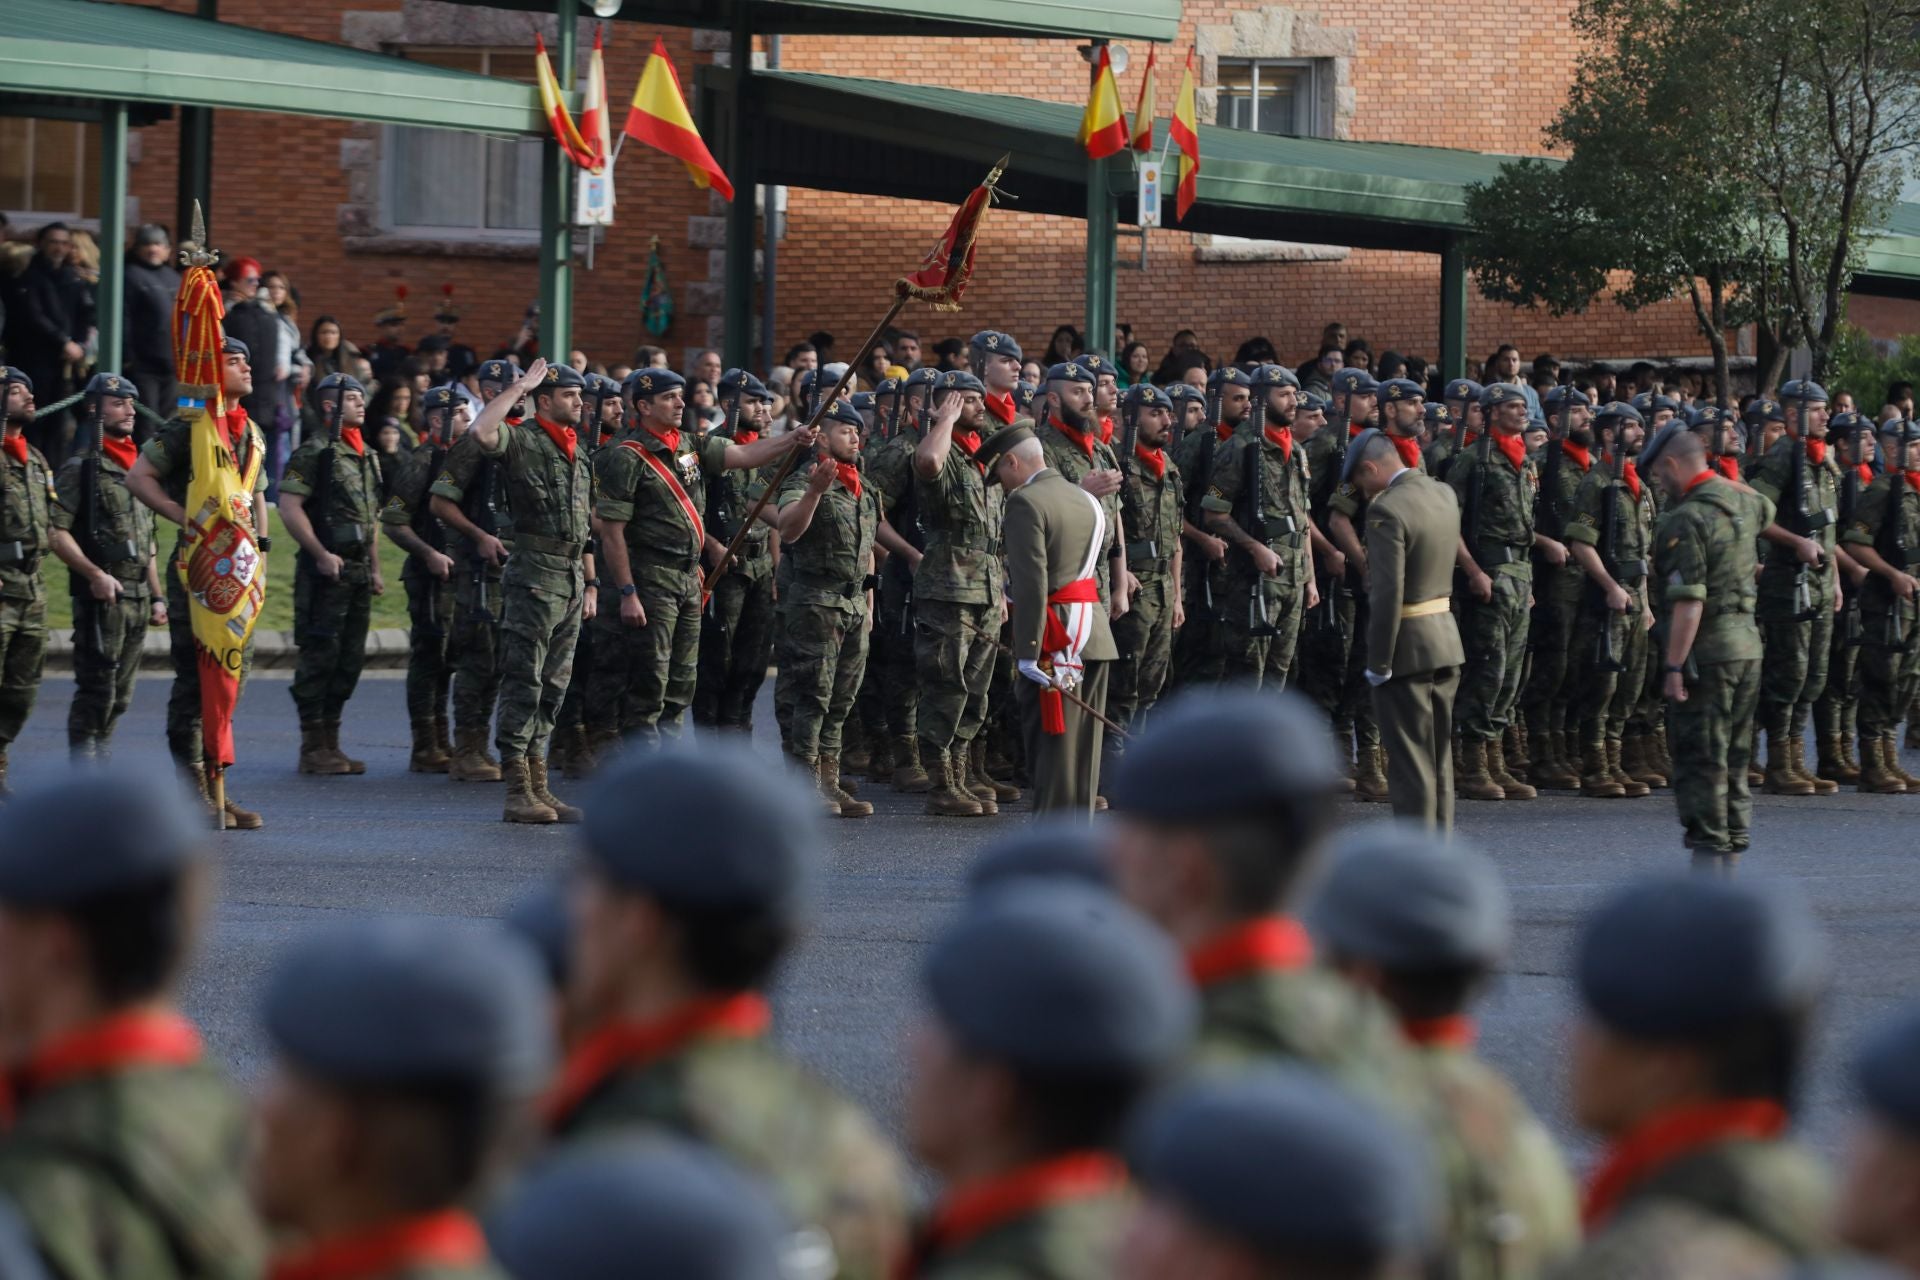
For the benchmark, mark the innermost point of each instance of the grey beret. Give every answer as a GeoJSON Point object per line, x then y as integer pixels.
{"type": "Point", "coordinates": [234, 347]}
{"type": "Point", "coordinates": [540, 919]}
{"type": "Point", "coordinates": [1044, 849]}
{"type": "Point", "coordinates": [1575, 397]}
{"type": "Point", "coordinates": [630, 1205]}
{"type": "Point", "coordinates": [1061, 977]}
{"type": "Point", "coordinates": [1072, 371]}
{"type": "Point", "coordinates": [396, 1001]}
{"type": "Point", "coordinates": [1804, 389]}
{"type": "Point", "coordinates": [1462, 389]}
{"type": "Point", "coordinates": [503, 372]}
{"type": "Point", "coordinates": [1228, 752]}
{"type": "Point", "coordinates": [94, 833]}
{"type": "Point", "coordinates": [1228, 376]}
{"type": "Point", "coordinates": [13, 373]}
{"type": "Point", "coordinates": [1684, 958]}
{"type": "Point", "coordinates": [645, 384]}
{"type": "Point", "coordinates": [959, 380]}
{"type": "Point", "coordinates": [112, 384]}
{"type": "Point", "coordinates": [1650, 452]}
{"type": "Point", "coordinates": [1147, 396]}
{"type": "Point", "coordinates": [1394, 390]}
{"type": "Point", "coordinates": [1354, 382]}
{"type": "Point", "coordinates": [1287, 1163]}
{"type": "Point", "coordinates": [1274, 375]}
{"type": "Point", "coordinates": [1400, 897]}
{"type": "Point", "coordinates": [704, 824]}
{"type": "Point", "coordinates": [1501, 393]}
{"type": "Point", "coordinates": [995, 343]}
{"type": "Point", "coordinates": [843, 411]}
{"type": "Point", "coordinates": [338, 384]}
{"type": "Point", "coordinates": [1356, 449]}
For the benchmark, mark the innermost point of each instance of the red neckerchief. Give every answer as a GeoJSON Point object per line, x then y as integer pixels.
{"type": "Point", "coordinates": [1271, 943]}
{"type": "Point", "coordinates": [1913, 479]}
{"type": "Point", "coordinates": [1729, 467]}
{"type": "Point", "coordinates": [1631, 474]}
{"type": "Point", "coordinates": [235, 425]}
{"type": "Point", "coordinates": [1002, 407]}
{"type": "Point", "coordinates": [1816, 451]}
{"type": "Point", "coordinates": [1409, 451]}
{"type": "Point", "coordinates": [1084, 441]}
{"type": "Point", "coordinates": [1454, 1031]}
{"type": "Point", "coordinates": [968, 1212]}
{"type": "Point", "coordinates": [1513, 446]}
{"type": "Point", "coordinates": [670, 438]}
{"type": "Point", "coordinates": [1155, 460]}
{"type": "Point", "coordinates": [1864, 471]}
{"type": "Point", "coordinates": [1696, 482]}
{"type": "Point", "coordinates": [968, 440]}
{"type": "Point", "coordinates": [619, 1045]}
{"type": "Point", "coordinates": [1222, 432]}
{"type": "Point", "coordinates": [746, 437]}
{"type": "Point", "coordinates": [850, 477]}
{"type": "Point", "coordinates": [449, 1238]}
{"type": "Point", "coordinates": [121, 449]}
{"type": "Point", "coordinates": [1580, 453]}
{"type": "Point", "coordinates": [514, 419]}
{"type": "Point", "coordinates": [351, 437]}
{"type": "Point", "coordinates": [1666, 1137]}
{"type": "Point", "coordinates": [564, 438]}
{"type": "Point", "coordinates": [1281, 438]}
{"type": "Point", "coordinates": [136, 1038]}
{"type": "Point", "coordinates": [16, 447]}
{"type": "Point", "coordinates": [1106, 431]}
{"type": "Point", "coordinates": [1355, 428]}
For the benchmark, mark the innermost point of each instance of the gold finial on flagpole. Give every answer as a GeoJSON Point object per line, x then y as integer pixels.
{"type": "Point", "coordinates": [195, 252]}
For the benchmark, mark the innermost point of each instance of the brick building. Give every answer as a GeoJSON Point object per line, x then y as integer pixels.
{"type": "Point", "coordinates": [350, 211]}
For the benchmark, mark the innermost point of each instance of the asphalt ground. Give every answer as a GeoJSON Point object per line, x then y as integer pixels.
{"type": "Point", "coordinates": [391, 841]}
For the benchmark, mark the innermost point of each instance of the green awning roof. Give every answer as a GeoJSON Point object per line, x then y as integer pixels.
{"type": "Point", "coordinates": [1082, 19]}
{"type": "Point", "coordinates": [133, 53]}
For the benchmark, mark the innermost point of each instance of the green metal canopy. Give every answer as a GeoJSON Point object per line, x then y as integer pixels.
{"type": "Point", "coordinates": [1103, 19]}
{"type": "Point", "coordinates": [134, 53]}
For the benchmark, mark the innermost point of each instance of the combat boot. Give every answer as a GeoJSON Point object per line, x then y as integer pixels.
{"type": "Point", "coordinates": [1519, 749]}
{"type": "Point", "coordinates": [470, 761]}
{"type": "Point", "coordinates": [315, 758]}
{"type": "Point", "coordinates": [1756, 776]}
{"type": "Point", "coordinates": [1834, 765]}
{"type": "Point", "coordinates": [1779, 777]}
{"type": "Point", "coordinates": [1470, 779]}
{"type": "Point", "coordinates": [1550, 768]}
{"type": "Point", "coordinates": [971, 783]}
{"type": "Point", "coordinates": [1846, 750]}
{"type": "Point", "coordinates": [1892, 758]}
{"type": "Point", "coordinates": [537, 784]}
{"type": "Point", "coordinates": [1003, 792]}
{"type": "Point", "coordinates": [1658, 757]}
{"type": "Point", "coordinates": [855, 754]}
{"type": "Point", "coordinates": [1797, 760]}
{"type": "Point", "coordinates": [427, 756]}
{"type": "Point", "coordinates": [1596, 779]}
{"type": "Point", "coordinates": [563, 748]}
{"type": "Point", "coordinates": [908, 775]}
{"type": "Point", "coordinates": [880, 766]}
{"type": "Point", "coordinates": [810, 765]}
{"type": "Point", "coordinates": [196, 774]}
{"type": "Point", "coordinates": [1370, 779]}
{"type": "Point", "coordinates": [1637, 761]}
{"type": "Point", "coordinates": [1875, 777]}
{"type": "Point", "coordinates": [838, 800]}
{"type": "Point", "coordinates": [1503, 777]}
{"type": "Point", "coordinates": [947, 799]}
{"type": "Point", "coordinates": [1630, 787]}
{"type": "Point", "coordinates": [333, 745]}
{"type": "Point", "coordinates": [522, 805]}
{"type": "Point", "coordinates": [441, 741]}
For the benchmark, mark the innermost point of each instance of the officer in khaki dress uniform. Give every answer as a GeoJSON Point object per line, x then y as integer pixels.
{"type": "Point", "coordinates": [26, 523]}
{"type": "Point", "coordinates": [1413, 651]}
{"type": "Point", "coordinates": [109, 554]}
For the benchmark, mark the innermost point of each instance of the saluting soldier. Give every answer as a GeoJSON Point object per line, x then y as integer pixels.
{"type": "Point", "coordinates": [123, 1145]}
{"type": "Point", "coordinates": [891, 653]}
{"type": "Point", "coordinates": [108, 549]}
{"type": "Point", "coordinates": [1884, 536]}
{"type": "Point", "coordinates": [828, 518]}
{"type": "Point", "coordinates": [1424, 923]}
{"type": "Point", "coordinates": [160, 479]}
{"type": "Point", "coordinates": [1199, 651]}
{"type": "Point", "coordinates": [26, 526]}
{"type": "Point", "coordinates": [1558, 585]}
{"type": "Point", "coordinates": [1150, 515]}
{"type": "Point", "coordinates": [736, 634]}
{"type": "Point", "coordinates": [704, 844]}
{"type": "Point", "coordinates": [408, 520]}
{"type": "Point", "coordinates": [1709, 646]}
{"type": "Point", "coordinates": [470, 498]}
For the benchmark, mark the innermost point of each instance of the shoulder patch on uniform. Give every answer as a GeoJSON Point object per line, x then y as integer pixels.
{"type": "Point", "coordinates": [1673, 542]}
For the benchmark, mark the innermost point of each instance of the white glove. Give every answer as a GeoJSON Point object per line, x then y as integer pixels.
{"type": "Point", "coordinates": [1378, 678]}
{"type": "Point", "coordinates": [1030, 668]}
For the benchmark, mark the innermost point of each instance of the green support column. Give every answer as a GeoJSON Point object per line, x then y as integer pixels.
{"type": "Point", "coordinates": [556, 210]}
{"type": "Point", "coordinates": [1102, 225]}
{"type": "Point", "coordinates": [737, 311]}
{"type": "Point", "coordinates": [110, 294]}
{"type": "Point", "coordinates": [1453, 311]}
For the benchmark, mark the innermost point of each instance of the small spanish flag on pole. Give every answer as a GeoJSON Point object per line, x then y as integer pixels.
{"type": "Point", "coordinates": [1143, 109]}
{"type": "Point", "coordinates": [1184, 131]}
{"type": "Point", "coordinates": [1103, 127]}
{"type": "Point", "coordinates": [594, 124]}
{"type": "Point", "coordinates": [659, 118]}
{"type": "Point", "coordinates": [577, 148]}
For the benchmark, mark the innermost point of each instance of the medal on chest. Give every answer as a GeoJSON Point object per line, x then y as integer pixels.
{"type": "Point", "coordinates": [689, 467]}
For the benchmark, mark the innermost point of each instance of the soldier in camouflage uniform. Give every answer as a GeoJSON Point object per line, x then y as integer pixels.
{"type": "Point", "coordinates": [1327, 657]}
{"type": "Point", "coordinates": [1071, 441]}
{"type": "Point", "coordinates": [1199, 654]}
{"type": "Point", "coordinates": [470, 499]}
{"type": "Point", "coordinates": [1461, 399]}
{"type": "Point", "coordinates": [736, 633]}
{"type": "Point", "coordinates": [1697, 994]}
{"type": "Point", "coordinates": [415, 1045]}
{"type": "Point", "coordinates": [1799, 583]}
{"type": "Point", "coordinates": [409, 521]}
{"type": "Point", "coordinates": [1495, 482]}
{"type": "Point", "coordinates": [1609, 536]}
{"type": "Point", "coordinates": [1884, 536]}
{"type": "Point", "coordinates": [26, 522]}
{"type": "Point", "coordinates": [711, 842]}
{"type": "Point", "coordinates": [1707, 642]}
{"type": "Point", "coordinates": [1150, 509]}
{"type": "Point", "coordinates": [602, 404]}
{"type": "Point", "coordinates": [890, 469]}
{"type": "Point", "coordinates": [827, 520]}
{"type": "Point", "coordinates": [652, 490]}
{"type": "Point", "coordinates": [160, 479]}
{"type": "Point", "coordinates": [1264, 588]}
{"type": "Point", "coordinates": [330, 503]}
{"type": "Point", "coordinates": [1558, 585]}
{"type": "Point", "coordinates": [124, 1142]}
{"type": "Point", "coordinates": [109, 553]}
{"type": "Point", "coordinates": [1424, 924]}
{"type": "Point", "coordinates": [1836, 710]}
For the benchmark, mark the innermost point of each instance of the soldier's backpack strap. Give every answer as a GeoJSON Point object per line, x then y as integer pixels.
{"type": "Point", "coordinates": [187, 1259]}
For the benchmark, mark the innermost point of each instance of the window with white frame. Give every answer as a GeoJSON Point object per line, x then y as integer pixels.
{"type": "Point", "coordinates": [451, 181]}
{"type": "Point", "coordinates": [1275, 95]}
{"type": "Point", "coordinates": [50, 168]}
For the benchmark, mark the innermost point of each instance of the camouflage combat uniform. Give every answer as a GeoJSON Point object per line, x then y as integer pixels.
{"type": "Point", "coordinates": [1604, 699]}
{"type": "Point", "coordinates": [1557, 594]}
{"type": "Point", "coordinates": [1261, 616]}
{"type": "Point", "coordinates": [890, 471]}
{"type": "Point", "coordinates": [1150, 510]}
{"type": "Point", "coordinates": [1067, 1237]}
{"type": "Point", "coordinates": [477, 485]}
{"type": "Point", "coordinates": [430, 601]}
{"type": "Point", "coordinates": [331, 615]}
{"type": "Point", "coordinates": [108, 639]}
{"type": "Point", "coordinates": [1888, 520]}
{"type": "Point", "coordinates": [1498, 528]}
{"type": "Point", "coordinates": [1328, 637]}
{"type": "Point", "coordinates": [736, 634]}
{"type": "Point", "coordinates": [1805, 495]}
{"type": "Point", "coordinates": [826, 632]}
{"type": "Point", "coordinates": [957, 595]}
{"type": "Point", "coordinates": [26, 515]}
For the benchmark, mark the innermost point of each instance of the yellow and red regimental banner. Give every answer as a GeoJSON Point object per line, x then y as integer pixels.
{"type": "Point", "coordinates": [577, 148]}
{"type": "Point", "coordinates": [220, 561]}
{"type": "Point", "coordinates": [1103, 126]}
{"type": "Point", "coordinates": [1184, 129]}
{"type": "Point", "coordinates": [946, 270]}
{"type": "Point", "coordinates": [659, 118]}
{"type": "Point", "coordinates": [1143, 109]}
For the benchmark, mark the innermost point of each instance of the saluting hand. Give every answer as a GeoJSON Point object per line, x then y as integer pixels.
{"type": "Point", "coordinates": [535, 375]}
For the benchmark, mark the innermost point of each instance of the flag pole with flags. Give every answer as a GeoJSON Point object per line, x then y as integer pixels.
{"type": "Point", "coordinates": [1183, 131]}
{"type": "Point", "coordinates": [659, 118]}
{"type": "Point", "coordinates": [1143, 109]}
{"type": "Point", "coordinates": [1103, 125]}
{"type": "Point", "coordinates": [553, 105]}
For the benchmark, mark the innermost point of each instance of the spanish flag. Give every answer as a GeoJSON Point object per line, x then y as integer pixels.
{"type": "Point", "coordinates": [1184, 129]}
{"type": "Point", "coordinates": [577, 148]}
{"type": "Point", "coordinates": [659, 118]}
{"type": "Point", "coordinates": [1143, 109]}
{"type": "Point", "coordinates": [594, 122]}
{"type": "Point", "coordinates": [1103, 126]}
